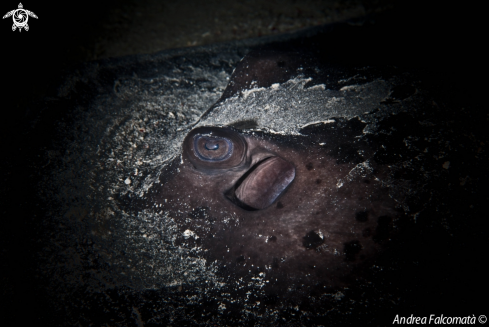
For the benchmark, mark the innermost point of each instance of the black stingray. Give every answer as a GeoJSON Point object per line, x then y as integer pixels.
{"type": "Point", "coordinates": [285, 207]}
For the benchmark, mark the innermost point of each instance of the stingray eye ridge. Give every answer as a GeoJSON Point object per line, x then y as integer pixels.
{"type": "Point", "coordinates": [212, 148]}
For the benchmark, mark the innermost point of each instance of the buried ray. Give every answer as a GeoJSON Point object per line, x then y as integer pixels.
{"type": "Point", "coordinates": [286, 207]}
{"type": "Point", "coordinates": [310, 209]}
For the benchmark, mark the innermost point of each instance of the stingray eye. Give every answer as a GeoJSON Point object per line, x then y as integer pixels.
{"type": "Point", "coordinates": [211, 149]}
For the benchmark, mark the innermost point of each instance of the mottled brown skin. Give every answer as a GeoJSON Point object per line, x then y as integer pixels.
{"type": "Point", "coordinates": [315, 233]}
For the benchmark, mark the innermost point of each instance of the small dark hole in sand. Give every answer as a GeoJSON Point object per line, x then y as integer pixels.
{"type": "Point", "coordinates": [312, 240]}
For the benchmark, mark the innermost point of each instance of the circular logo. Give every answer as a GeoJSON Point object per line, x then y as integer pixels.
{"type": "Point", "coordinates": [20, 17]}
{"type": "Point", "coordinates": [482, 319]}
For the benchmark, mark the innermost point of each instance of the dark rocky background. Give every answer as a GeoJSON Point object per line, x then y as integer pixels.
{"type": "Point", "coordinates": [66, 35]}
{"type": "Point", "coordinates": [447, 39]}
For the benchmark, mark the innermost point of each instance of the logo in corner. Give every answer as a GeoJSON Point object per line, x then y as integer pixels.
{"type": "Point", "coordinates": [20, 17]}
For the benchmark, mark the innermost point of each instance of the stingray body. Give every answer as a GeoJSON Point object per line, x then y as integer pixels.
{"type": "Point", "coordinates": [298, 211]}
{"type": "Point", "coordinates": [318, 230]}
